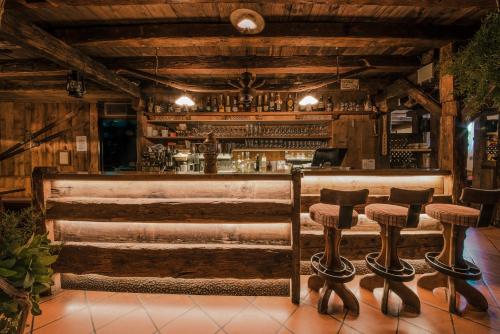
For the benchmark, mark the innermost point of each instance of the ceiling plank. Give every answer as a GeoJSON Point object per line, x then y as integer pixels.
{"type": "Point", "coordinates": [406, 3]}
{"type": "Point", "coordinates": [17, 30]}
{"type": "Point", "coordinates": [276, 34]}
{"type": "Point", "coordinates": [222, 66]}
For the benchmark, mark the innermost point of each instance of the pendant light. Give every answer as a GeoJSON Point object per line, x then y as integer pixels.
{"type": "Point", "coordinates": [184, 101]}
{"type": "Point", "coordinates": [247, 21]}
{"type": "Point", "coordinates": [308, 100]}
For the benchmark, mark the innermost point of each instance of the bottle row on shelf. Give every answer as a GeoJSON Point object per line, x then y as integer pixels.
{"type": "Point", "coordinates": [237, 131]}
{"type": "Point", "coordinates": [270, 102]}
{"type": "Point", "coordinates": [159, 158]}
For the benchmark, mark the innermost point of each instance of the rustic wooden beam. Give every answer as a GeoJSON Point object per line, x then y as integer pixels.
{"type": "Point", "coordinates": [416, 3]}
{"type": "Point", "coordinates": [321, 34]}
{"type": "Point", "coordinates": [19, 31]}
{"type": "Point", "coordinates": [175, 210]}
{"type": "Point", "coordinates": [403, 87]}
{"type": "Point", "coordinates": [58, 94]}
{"type": "Point", "coordinates": [223, 66]}
{"type": "Point", "coordinates": [178, 261]}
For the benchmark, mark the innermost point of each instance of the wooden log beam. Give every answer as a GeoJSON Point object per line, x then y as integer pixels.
{"type": "Point", "coordinates": [58, 94]}
{"type": "Point", "coordinates": [19, 31]}
{"type": "Point", "coordinates": [321, 34]}
{"type": "Point", "coordinates": [260, 65]}
{"type": "Point", "coordinates": [178, 261]}
{"type": "Point", "coordinates": [490, 4]}
{"type": "Point", "coordinates": [178, 210]}
{"type": "Point", "coordinates": [403, 87]}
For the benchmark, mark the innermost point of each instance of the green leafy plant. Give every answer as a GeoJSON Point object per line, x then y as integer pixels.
{"type": "Point", "coordinates": [25, 260]}
{"type": "Point", "coordinates": [476, 68]}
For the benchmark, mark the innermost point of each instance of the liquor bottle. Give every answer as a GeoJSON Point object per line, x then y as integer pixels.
{"type": "Point", "coordinates": [263, 163]}
{"type": "Point", "coordinates": [253, 105]}
{"type": "Point", "coordinates": [329, 104]}
{"type": "Point", "coordinates": [289, 103]}
{"type": "Point", "coordinates": [215, 105]}
{"type": "Point", "coordinates": [240, 104]}
{"type": "Point", "coordinates": [208, 106]}
{"type": "Point", "coordinates": [278, 102]}
{"type": "Point", "coordinates": [265, 107]}
{"type": "Point", "coordinates": [259, 103]}
{"type": "Point", "coordinates": [296, 106]}
{"type": "Point", "coordinates": [228, 104]}
{"type": "Point", "coordinates": [235, 104]}
{"type": "Point", "coordinates": [257, 163]}
{"type": "Point", "coordinates": [321, 104]}
{"type": "Point", "coordinates": [271, 102]}
{"type": "Point", "coordinates": [221, 103]}
{"type": "Point", "coordinates": [368, 103]}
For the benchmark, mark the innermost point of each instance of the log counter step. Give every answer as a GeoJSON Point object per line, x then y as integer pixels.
{"type": "Point", "coordinates": [175, 260]}
{"type": "Point", "coordinates": [171, 210]}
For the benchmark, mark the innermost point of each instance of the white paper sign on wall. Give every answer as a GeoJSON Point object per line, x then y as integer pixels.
{"type": "Point", "coordinates": [81, 143]}
{"type": "Point", "coordinates": [349, 84]}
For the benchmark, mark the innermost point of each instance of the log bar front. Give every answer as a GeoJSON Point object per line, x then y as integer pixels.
{"type": "Point", "coordinates": [243, 226]}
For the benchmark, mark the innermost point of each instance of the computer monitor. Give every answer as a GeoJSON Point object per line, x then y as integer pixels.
{"type": "Point", "coordinates": [329, 156]}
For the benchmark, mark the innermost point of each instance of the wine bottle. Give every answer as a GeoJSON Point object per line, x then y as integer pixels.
{"type": "Point", "coordinates": [221, 103]}
{"type": "Point", "coordinates": [228, 103]}
{"type": "Point", "coordinates": [265, 107]}
{"type": "Point", "coordinates": [289, 103]}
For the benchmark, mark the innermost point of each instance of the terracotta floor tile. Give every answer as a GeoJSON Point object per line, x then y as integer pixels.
{"type": "Point", "coordinates": [464, 326]}
{"type": "Point", "coordinates": [77, 322]}
{"type": "Point", "coordinates": [284, 330]}
{"type": "Point", "coordinates": [348, 330]}
{"type": "Point", "coordinates": [194, 321]}
{"type": "Point", "coordinates": [109, 309]}
{"type": "Point", "coordinates": [433, 319]}
{"type": "Point", "coordinates": [134, 322]}
{"type": "Point", "coordinates": [67, 303]}
{"type": "Point", "coordinates": [304, 290]}
{"type": "Point", "coordinates": [405, 327]}
{"type": "Point", "coordinates": [493, 285]}
{"type": "Point", "coordinates": [222, 308]}
{"type": "Point", "coordinates": [95, 296]}
{"type": "Point", "coordinates": [307, 320]}
{"type": "Point", "coordinates": [436, 298]}
{"type": "Point", "coordinates": [371, 320]}
{"type": "Point", "coordinates": [165, 308]}
{"type": "Point", "coordinates": [491, 318]}
{"type": "Point", "coordinates": [251, 321]}
{"type": "Point", "coordinates": [279, 308]}
{"type": "Point", "coordinates": [374, 299]}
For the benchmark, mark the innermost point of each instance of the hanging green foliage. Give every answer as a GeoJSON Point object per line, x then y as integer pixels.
{"type": "Point", "coordinates": [476, 68]}
{"type": "Point", "coordinates": [25, 260]}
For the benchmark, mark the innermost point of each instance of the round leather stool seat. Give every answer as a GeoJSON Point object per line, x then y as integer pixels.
{"type": "Point", "coordinates": [387, 214]}
{"type": "Point", "coordinates": [328, 215]}
{"type": "Point", "coordinates": [453, 214]}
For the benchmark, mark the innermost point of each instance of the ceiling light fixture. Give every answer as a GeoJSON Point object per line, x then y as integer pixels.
{"type": "Point", "coordinates": [184, 100]}
{"type": "Point", "coordinates": [308, 100]}
{"type": "Point", "coordinates": [247, 21]}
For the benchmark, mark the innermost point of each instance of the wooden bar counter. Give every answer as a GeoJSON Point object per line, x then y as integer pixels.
{"type": "Point", "coordinates": [243, 226]}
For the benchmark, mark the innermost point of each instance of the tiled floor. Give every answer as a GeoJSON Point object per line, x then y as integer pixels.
{"type": "Point", "coordinates": [75, 312]}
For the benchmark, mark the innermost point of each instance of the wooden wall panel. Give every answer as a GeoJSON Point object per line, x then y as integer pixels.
{"type": "Point", "coordinates": [356, 133]}
{"type": "Point", "coordinates": [19, 119]}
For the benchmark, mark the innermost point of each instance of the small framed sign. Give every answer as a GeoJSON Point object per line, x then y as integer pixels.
{"type": "Point", "coordinates": [349, 84]}
{"type": "Point", "coordinates": [64, 158]}
{"type": "Point", "coordinates": [81, 143]}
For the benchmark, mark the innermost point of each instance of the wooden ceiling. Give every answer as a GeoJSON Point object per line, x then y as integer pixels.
{"type": "Point", "coordinates": [194, 40]}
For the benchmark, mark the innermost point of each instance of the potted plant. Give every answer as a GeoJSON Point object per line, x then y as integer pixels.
{"type": "Point", "coordinates": [25, 272]}
{"type": "Point", "coordinates": [476, 69]}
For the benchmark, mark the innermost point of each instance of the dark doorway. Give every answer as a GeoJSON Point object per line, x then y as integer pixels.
{"type": "Point", "coordinates": [118, 144]}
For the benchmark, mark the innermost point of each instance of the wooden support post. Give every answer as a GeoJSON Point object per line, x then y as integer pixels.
{"type": "Point", "coordinates": [94, 139]}
{"type": "Point", "coordinates": [479, 150]}
{"type": "Point", "coordinates": [453, 132]}
{"type": "Point", "coordinates": [295, 282]}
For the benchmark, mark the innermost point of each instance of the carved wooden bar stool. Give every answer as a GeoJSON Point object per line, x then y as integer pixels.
{"type": "Point", "coordinates": [389, 271]}
{"type": "Point", "coordinates": [330, 270]}
{"type": "Point", "coordinates": [453, 270]}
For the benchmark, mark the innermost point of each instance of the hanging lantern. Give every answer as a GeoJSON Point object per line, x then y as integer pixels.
{"type": "Point", "coordinates": [75, 85]}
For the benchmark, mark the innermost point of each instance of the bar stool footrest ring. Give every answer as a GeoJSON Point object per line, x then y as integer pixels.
{"type": "Point", "coordinates": [346, 274]}
{"type": "Point", "coordinates": [471, 272]}
{"type": "Point", "coordinates": [405, 274]}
